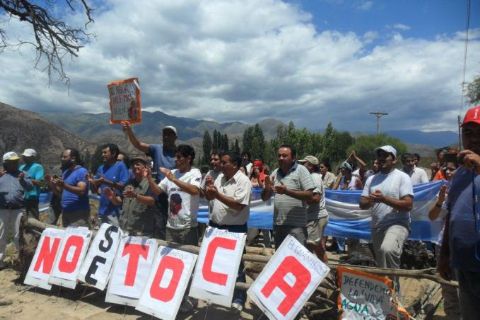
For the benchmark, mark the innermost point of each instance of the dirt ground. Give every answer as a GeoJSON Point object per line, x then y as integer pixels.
{"type": "Point", "coordinates": [22, 302]}
{"type": "Point", "coordinates": [82, 304]}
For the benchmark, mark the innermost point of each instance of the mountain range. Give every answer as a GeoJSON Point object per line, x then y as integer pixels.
{"type": "Point", "coordinates": [50, 132]}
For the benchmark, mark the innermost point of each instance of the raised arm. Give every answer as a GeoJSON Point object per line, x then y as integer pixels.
{"type": "Point", "coordinates": [142, 146]}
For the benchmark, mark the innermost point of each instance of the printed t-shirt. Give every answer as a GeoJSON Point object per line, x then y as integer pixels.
{"type": "Point", "coordinates": [183, 207]}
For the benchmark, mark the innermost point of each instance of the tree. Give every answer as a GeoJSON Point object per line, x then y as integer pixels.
{"type": "Point", "coordinates": [473, 91]}
{"type": "Point", "coordinates": [364, 146]}
{"type": "Point", "coordinates": [206, 147]}
{"type": "Point", "coordinates": [53, 38]}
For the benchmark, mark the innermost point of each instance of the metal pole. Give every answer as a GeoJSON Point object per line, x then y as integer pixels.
{"type": "Point", "coordinates": [378, 115]}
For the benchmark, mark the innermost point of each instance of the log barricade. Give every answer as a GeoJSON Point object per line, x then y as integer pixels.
{"type": "Point", "coordinates": [322, 304]}
{"type": "Point", "coordinates": [262, 255]}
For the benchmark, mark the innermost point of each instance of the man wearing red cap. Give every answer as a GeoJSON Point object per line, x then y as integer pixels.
{"type": "Point", "coordinates": [461, 243]}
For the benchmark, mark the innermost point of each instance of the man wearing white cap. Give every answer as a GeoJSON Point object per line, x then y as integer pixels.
{"type": "Point", "coordinates": [35, 172]}
{"type": "Point", "coordinates": [163, 155]}
{"type": "Point", "coordinates": [12, 186]}
{"type": "Point", "coordinates": [389, 195]}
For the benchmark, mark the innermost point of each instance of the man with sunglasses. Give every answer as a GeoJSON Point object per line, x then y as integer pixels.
{"type": "Point", "coordinates": [461, 242]}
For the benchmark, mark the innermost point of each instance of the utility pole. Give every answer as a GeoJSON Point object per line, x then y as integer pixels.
{"type": "Point", "coordinates": [378, 115]}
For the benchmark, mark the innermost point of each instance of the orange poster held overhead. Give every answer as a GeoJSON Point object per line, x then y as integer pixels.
{"type": "Point", "coordinates": [125, 101]}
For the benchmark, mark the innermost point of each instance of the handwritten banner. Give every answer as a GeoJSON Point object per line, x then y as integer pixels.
{"type": "Point", "coordinates": [364, 296]}
{"type": "Point", "coordinates": [125, 101]}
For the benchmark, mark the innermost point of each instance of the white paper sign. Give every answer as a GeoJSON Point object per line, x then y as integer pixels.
{"type": "Point", "coordinates": [167, 283]}
{"type": "Point", "coordinates": [217, 267]}
{"type": "Point", "coordinates": [42, 263]}
{"type": "Point", "coordinates": [96, 268]}
{"type": "Point", "coordinates": [69, 259]}
{"type": "Point", "coordinates": [287, 281]}
{"type": "Point", "coordinates": [367, 296]}
{"type": "Point", "coordinates": [130, 271]}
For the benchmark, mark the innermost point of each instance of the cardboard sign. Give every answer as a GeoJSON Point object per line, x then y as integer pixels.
{"type": "Point", "coordinates": [167, 283]}
{"type": "Point", "coordinates": [217, 267]}
{"type": "Point", "coordinates": [125, 101]}
{"type": "Point", "coordinates": [98, 263]}
{"type": "Point", "coordinates": [69, 259]}
{"type": "Point", "coordinates": [130, 271]}
{"type": "Point", "coordinates": [366, 296]}
{"type": "Point", "coordinates": [42, 263]}
{"type": "Point", "coordinates": [287, 281]}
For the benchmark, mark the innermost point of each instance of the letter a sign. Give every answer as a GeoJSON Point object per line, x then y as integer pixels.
{"type": "Point", "coordinates": [287, 281]}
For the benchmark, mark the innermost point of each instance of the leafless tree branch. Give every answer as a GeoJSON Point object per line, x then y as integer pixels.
{"type": "Point", "coordinates": [54, 39]}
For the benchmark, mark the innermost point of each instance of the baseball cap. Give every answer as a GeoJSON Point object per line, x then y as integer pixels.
{"type": "Point", "coordinates": [139, 157]}
{"type": "Point", "coordinates": [258, 163]}
{"type": "Point", "coordinates": [311, 159]}
{"type": "Point", "coordinates": [29, 153]}
{"type": "Point", "coordinates": [388, 149]}
{"type": "Point", "coordinates": [472, 115]}
{"type": "Point", "coordinates": [10, 156]}
{"type": "Point", "coordinates": [170, 128]}
{"type": "Point", "coordinates": [346, 165]}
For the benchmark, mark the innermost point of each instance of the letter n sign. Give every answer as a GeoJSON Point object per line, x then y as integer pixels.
{"type": "Point", "coordinates": [42, 262]}
{"type": "Point", "coordinates": [287, 281]}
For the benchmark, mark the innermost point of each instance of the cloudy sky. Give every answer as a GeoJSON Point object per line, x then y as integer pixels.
{"type": "Point", "coordinates": [310, 61]}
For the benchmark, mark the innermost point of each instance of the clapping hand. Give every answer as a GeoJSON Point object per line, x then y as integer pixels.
{"type": "Point", "coordinates": [211, 191]}
{"type": "Point", "coordinates": [129, 192]}
{"type": "Point", "coordinates": [167, 173]}
{"type": "Point", "coordinates": [377, 196]}
{"type": "Point", "coordinates": [108, 193]}
{"type": "Point", "coordinates": [269, 182]}
{"type": "Point", "coordinates": [442, 194]}
{"type": "Point", "coordinates": [280, 188]}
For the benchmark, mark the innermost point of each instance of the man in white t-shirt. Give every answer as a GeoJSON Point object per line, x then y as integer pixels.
{"type": "Point", "coordinates": [416, 174]}
{"type": "Point", "coordinates": [389, 196]}
{"type": "Point", "coordinates": [182, 186]}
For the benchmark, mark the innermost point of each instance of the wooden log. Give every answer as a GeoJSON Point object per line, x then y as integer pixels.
{"type": "Point", "coordinates": [417, 274]}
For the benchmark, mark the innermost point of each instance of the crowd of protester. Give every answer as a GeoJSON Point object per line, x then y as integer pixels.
{"type": "Point", "coordinates": [157, 193]}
